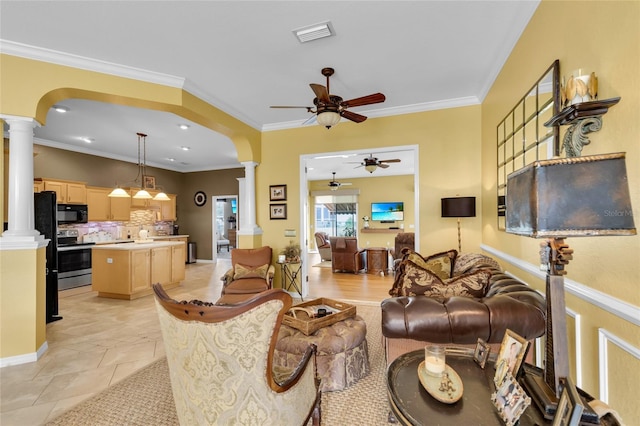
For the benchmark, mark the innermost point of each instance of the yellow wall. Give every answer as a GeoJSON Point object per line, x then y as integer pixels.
{"type": "Point", "coordinates": [449, 149]}
{"type": "Point", "coordinates": [22, 302]}
{"type": "Point", "coordinates": [603, 37]}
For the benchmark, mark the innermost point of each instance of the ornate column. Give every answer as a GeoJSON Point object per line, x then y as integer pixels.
{"type": "Point", "coordinates": [20, 185]}
{"type": "Point", "coordinates": [248, 218]}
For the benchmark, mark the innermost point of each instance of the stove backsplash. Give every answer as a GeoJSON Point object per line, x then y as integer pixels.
{"type": "Point", "coordinates": [107, 231]}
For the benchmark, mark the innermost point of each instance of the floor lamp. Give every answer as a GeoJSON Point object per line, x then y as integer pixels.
{"type": "Point", "coordinates": [555, 199]}
{"type": "Point", "coordinates": [459, 207]}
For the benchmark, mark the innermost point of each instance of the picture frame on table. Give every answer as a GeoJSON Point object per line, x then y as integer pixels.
{"type": "Point", "coordinates": [481, 354]}
{"type": "Point", "coordinates": [277, 211]}
{"type": "Point", "coordinates": [277, 192]}
{"type": "Point", "coordinates": [510, 400]}
{"type": "Point", "coordinates": [512, 352]}
{"type": "Point", "coordinates": [570, 405]}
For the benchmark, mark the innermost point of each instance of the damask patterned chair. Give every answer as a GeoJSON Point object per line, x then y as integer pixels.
{"type": "Point", "coordinates": [221, 363]}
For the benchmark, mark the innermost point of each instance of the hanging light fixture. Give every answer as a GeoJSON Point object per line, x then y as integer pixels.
{"type": "Point", "coordinates": [143, 194]}
{"type": "Point", "coordinates": [328, 119]}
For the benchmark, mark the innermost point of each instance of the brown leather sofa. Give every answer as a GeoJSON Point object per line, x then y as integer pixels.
{"type": "Point", "coordinates": [323, 244]}
{"type": "Point", "coordinates": [410, 321]}
{"type": "Point", "coordinates": [345, 255]}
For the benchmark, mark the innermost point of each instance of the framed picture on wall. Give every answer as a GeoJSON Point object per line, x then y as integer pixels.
{"type": "Point", "coordinates": [277, 192]}
{"type": "Point", "coordinates": [277, 211]}
{"type": "Point", "coordinates": [149, 182]}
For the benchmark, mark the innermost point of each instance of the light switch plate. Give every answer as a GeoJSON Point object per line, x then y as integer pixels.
{"type": "Point", "coordinates": [289, 232]}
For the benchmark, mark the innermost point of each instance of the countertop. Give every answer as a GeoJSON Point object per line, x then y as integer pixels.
{"type": "Point", "coordinates": [136, 246]}
{"type": "Point", "coordinates": [151, 237]}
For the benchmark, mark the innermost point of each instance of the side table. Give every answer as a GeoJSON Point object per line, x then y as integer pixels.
{"type": "Point", "coordinates": [377, 260]}
{"type": "Point", "coordinates": [412, 405]}
{"type": "Point", "coordinates": [289, 272]}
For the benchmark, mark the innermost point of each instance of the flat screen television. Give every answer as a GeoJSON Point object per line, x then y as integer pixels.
{"type": "Point", "coordinates": [387, 211]}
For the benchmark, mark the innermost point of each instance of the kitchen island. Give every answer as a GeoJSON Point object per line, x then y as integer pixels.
{"type": "Point", "coordinates": [126, 271]}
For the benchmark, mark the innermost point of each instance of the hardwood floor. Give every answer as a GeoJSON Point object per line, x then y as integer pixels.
{"type": "Point", "coordinates": [100, 341]}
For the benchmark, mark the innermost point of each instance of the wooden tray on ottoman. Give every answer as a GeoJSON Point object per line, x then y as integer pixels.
{"type": "Point", "coordinates": [308, 325]}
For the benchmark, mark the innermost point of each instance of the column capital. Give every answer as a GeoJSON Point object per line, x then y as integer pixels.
{"type": "Point", "coordinates": [16, 119]}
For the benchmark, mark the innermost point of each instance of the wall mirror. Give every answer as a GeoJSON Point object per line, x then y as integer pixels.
{"type": "Point", "coordinates": [522, 136]}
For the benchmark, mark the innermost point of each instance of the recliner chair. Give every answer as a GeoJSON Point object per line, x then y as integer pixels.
{"type": "Point", "coordinates": [323, 244]}
{"type": "Point", "coordinates": [345, 255]}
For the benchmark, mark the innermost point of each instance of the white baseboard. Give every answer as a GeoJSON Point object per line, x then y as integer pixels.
{"type": "Point", "coordinates": [24, 358]}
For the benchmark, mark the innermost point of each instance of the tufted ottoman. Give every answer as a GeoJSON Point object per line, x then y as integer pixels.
{"type": "Point", "coordinates": [342, 356]}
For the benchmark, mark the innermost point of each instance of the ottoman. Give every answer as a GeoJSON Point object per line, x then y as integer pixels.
{"type": "Point", "coordinates": [342, 356]}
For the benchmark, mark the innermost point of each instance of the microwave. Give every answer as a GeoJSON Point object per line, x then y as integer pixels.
{"type": "Point", "coordinates": [72, 213]}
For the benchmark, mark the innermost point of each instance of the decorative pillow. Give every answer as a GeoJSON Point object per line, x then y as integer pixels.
{"type": "Point", "coordinates": [417, 280]}
{"type": "Point", "coordinates": [243, 271]}
{"type": "Point", "coordinates": [439, 264]}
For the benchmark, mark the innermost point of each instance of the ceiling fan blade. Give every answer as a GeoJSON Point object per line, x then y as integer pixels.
{"type": "Point", "coordinates": [353, 116]}
{"type": "Point", "coordinates": [395, 160]}
{"type": "Point", "coordinates": [382, 165]}
{"type": "Point", "coordinates": [364, 100]}
{"type": "Point", "coordinates": [311, 120]}
{"type": "Point", "coordinates": [321, 92]}
{"type": "Point", "coordinates": [345, 183]}
{"type": "Point", "coordinates": [291, 106]}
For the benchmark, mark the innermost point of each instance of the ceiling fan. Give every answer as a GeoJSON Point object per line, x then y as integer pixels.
{"type": "Point", "coordinates": [334, 184]}
{"type": "Point", "coordinates": [330, 108]}
{"type": "Point", "coordinates": [371, 163]}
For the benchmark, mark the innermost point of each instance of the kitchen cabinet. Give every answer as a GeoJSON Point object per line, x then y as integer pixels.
{"type": "Point", "coordinates": [102, 207]}
{"type": "Point", "coordinates": [178, 259]}
{"type": "Point", "coordinates": [183, 239]}
{"type": "Point", "coordinates": [38, 186]}
{"type": "Point", "coordinates": [126, 271]}
{"type": "Point", "coordinates": [67, 192]}
{"type": "Point", "coordinates": [167, 209]}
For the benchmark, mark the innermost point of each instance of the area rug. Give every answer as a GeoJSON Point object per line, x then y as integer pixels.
{"type": "Point", "coordinates": [145, 397]}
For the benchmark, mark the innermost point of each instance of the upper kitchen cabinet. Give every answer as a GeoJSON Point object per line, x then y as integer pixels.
{"type": "Point", "coordinates": [102, 207]}
{"type": "Point", "coordinates": [67, 192]}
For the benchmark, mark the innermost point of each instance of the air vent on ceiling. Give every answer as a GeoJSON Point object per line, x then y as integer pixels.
{"type": "Point", "coordinates": [314, 32]}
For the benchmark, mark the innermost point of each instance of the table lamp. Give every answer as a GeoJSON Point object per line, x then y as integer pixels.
{"type": "Point", "coordinates": [459, 207]}
{"type": "Point", "coordinates": [559, 198]}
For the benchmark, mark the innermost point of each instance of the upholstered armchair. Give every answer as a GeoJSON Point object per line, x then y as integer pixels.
{"type": "Point", "coordinates": [345, 254]}
{"type": "Point", "coordinates": [220, 361]}
{"type": "Point", "coordinates": [324, 246]}
{"type": "Point", "coordinates": [402, 240]}
{"type": "Point", "coordinates": [251, 273]}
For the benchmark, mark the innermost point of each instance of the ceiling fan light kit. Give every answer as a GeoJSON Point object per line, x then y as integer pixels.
{"type": "Point", "coordinates": [329, 109]}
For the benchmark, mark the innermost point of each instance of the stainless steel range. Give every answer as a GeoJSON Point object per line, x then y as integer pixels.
{"type": "Point", "coordinates": [74, 260]}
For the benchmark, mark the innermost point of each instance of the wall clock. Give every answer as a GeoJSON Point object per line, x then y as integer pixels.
{"type": "Point", "coordinates": [200, 198]}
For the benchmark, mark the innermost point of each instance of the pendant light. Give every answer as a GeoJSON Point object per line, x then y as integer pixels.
{"type": "Point", "coordinates": [142, 194]}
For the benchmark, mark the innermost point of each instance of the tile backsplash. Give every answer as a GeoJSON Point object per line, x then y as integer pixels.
{"type": "Point", "coordinates": [139, 219]}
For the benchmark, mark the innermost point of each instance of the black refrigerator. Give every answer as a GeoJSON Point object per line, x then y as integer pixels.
{"type": "Point", "coordinates": [47, 224]}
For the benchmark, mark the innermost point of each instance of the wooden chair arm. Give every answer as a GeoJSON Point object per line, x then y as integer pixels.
{"type": "Point", "coordinates": [302, 365]}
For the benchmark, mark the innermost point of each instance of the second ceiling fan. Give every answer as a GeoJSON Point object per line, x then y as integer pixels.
{"type": "Point", "coordinates": [371, 163]}
{"type": "Point", "coordinates": [328, 108]}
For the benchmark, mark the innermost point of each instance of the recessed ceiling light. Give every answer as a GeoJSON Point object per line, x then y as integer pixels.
{"type": "Point", "coordinates": [60, 108]}
{"type": "Point", "coordinates": [87, 140]}
{"type": "Point", "coordinates": [171, 159]}
{"type": "Point", "coordinates": [314, 32]}
{"type": "Point", "coordinates": [184, 126]}
{"type": "Point", "coordinates": [185, 148]}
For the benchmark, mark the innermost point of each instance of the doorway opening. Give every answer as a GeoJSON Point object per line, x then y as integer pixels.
{"type": "Point", "coordinates": [225, 220]}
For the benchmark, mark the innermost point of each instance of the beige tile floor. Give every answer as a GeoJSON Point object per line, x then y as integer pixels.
{"type": "Point", "coordinates": [101, 341]}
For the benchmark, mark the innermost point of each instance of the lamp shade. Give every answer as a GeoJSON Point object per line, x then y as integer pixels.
{"type": "Point", "coordinates": [119, 193]}
{"type": "Point", "coordinates": [570, 197]}
{"type": "Point", "coordinates": [459, 207]}
{"type": "Point", "coordinates": [328, 119]}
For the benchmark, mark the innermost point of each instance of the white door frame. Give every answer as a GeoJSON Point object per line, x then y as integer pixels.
{"type": "Point", "coordinates": [214, 240]}
{"type": "Point", "coordinates": [304, 200]}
